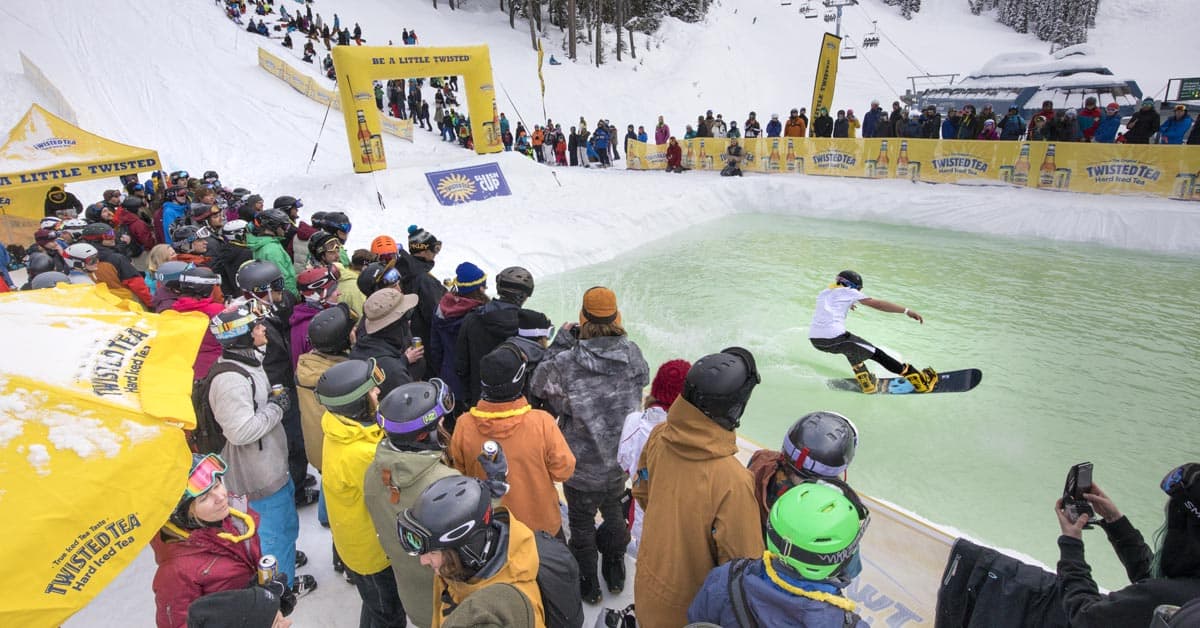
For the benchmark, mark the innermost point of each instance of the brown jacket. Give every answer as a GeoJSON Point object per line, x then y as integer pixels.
{"type": "Point", "coordinates": [764, 466]}
{"type": "Point", "coordinates": [700, 513]}
{"type": "Point", "coordinates": [107, 274]}
{"type": "Point", "coordinates": [537, 453]}
{"type": "Point", "coordinates": [309, 369]}
{"type": "Point", "coordinates": [795, 127]}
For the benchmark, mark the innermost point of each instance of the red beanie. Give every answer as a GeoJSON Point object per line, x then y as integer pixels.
{"type": "Point", "coordinates": [668, 381]}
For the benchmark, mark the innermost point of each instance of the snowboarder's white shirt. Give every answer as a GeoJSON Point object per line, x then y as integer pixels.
{"type": "Point", "coordinates": [829, 319]}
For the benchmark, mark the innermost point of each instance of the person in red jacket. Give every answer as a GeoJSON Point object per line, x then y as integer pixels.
{"type": "Point", "coordinates": [674, 156]}
{"type": "Point", "coordinates": [209, 544]}
{"type": "Point", "coordinates": [132, 226]}
{"type": "Point", "coordinates": [1089, 118]}
{"type": "Point", "coordinates": [196, 286]}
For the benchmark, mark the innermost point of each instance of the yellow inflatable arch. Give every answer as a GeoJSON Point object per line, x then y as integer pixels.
{"type": "Point", "coordinates": [358, 66]}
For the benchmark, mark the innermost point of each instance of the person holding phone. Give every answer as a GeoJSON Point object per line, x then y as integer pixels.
{"type": "Point", "coordinates": [1169, 573]}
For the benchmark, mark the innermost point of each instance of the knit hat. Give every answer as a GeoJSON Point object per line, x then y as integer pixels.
{"type": "Point", "coordinates": [420, 240]}
{"type": "Point", "coordinates": [498, 605]}
{"type": "Point", "coordinates": [668, 381]}
{"type": "Point", "coordinates": [531, 324]}
{"type": "Point", "coordinates": [468, 278]}
{"type": "Point", "coordinates": [599, 306]}
{"type": "Point", "coordinates": [43, 236]}
{"type": "Point", "coordinates": [502, 374]}
{"type": "Point", "coordinates": [385, 307]}
{"type": "Point", "coordinates": [384, 245]}
{"type": "Point", "coordinates": [1112, 106]}
{"type": "Point", "coordinates": [252, 607]}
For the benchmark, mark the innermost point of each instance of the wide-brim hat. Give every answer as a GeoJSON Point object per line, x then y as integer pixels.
{"type": "Point", "coordinates": [386, 307]}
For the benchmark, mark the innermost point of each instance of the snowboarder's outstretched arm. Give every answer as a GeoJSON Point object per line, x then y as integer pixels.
{"type": "Point", "coordinates": [888, 306]}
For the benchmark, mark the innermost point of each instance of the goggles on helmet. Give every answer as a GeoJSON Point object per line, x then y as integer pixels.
{"type": "Point", "coordinates": [332, 275]}
{"type": "Point", "coordinates": [416, 539]}
{"type": "Point", "coordinates": [801, 460]}
{"type": "Point", "coordinates": [1179, 482]}
{"type": "Point", "coordinates": [445, 404]}
{"type": "Point", "coordinates": [90, 260]}
{"type": "Point", "coordinates": [201, 233]}
{"type": "Point", "coordinates": [250, 313]}
{"type": "Point", "coordinates": [787, 550]}
{"type": "Point", "coordinates": [376, 379]}
{"type": "Point", "coordinates": [332, 246]}
{"type": "Point", "coordinates": [179, 174]}
{"type": "Point", "coordinates": [205, 475]}
{"type": "Point", "coordinates": [276, 285]}
{"type": "Point", "coordinates": [340, 226]}
{"type": "Point", "coordinates": [390, 277]}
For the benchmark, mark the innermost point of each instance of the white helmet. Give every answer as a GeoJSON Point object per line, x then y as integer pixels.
{"type": "Point", "coordinates": [81, 255]}
{"type": "Point", "coordinates": [234, 230]}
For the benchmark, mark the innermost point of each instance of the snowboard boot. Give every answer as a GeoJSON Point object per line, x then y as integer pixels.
{"type": "Point", "coordinates": [612, 567]}
{"type": "Point", "coordinates": [866, 380]}
{"type": "Point", "coordinates": [923, 381]}
{"type": "Point", "coordinates": [589, 587]}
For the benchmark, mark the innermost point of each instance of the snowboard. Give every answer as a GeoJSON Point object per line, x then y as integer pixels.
{"type": "Point", "coordinates": [948, 382]}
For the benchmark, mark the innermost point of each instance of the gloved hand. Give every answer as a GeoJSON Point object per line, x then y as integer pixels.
{"type": "Point", "coordinates": [496, 470]}
{"type": "Point", "coordinates": [281, 398]}
{"type": "Point", "coordinates": [279, 587]}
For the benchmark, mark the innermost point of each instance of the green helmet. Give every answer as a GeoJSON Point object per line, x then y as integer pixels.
{"type": "Point", "coordinates": [815, 528]}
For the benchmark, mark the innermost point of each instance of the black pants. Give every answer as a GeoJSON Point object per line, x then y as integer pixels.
{"type": "Point", "coordinates": [857, 350]}
{"type": "Point", "coordinates": [381, 606]}
{"type": "Point", "coordinates": [581, 515]}
{"type": "Point", "coordinates": [297, 457]}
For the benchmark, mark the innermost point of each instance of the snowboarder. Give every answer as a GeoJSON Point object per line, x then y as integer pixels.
{"type": "Point", "coordinates": [828, 333]}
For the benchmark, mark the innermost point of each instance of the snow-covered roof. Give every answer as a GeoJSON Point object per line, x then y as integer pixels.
{"type": "Point", "coordinates": [1034, 63]}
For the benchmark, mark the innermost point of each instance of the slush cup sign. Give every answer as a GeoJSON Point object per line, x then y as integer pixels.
{"type": "Point", "coordinates": [473, 183]}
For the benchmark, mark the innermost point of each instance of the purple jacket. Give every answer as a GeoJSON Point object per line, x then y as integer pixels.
{"type": "Point", "coordinates": [302, 315]}
{"type": "Point", "coordinates": [662, 133]}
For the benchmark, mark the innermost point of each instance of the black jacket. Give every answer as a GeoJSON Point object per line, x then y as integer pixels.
{"type": "Point", "coordinates": [278, 360]}
{"type": "Point", "coordinates": [228, 261]}
{"type": "Point", "coordinates": [823, 126]}
{"type": "Point", "coordinates": [982, 587]}
{"type": "Point", "coordinates": [66, 201]}
{"type": "Point", "coordinates": [1132, 606]}
{"type": "Point", "coordinates": [387, 347]}
{"type": "Point", "coordinates": [894, 124]}
{"type": "Point", "coordinates": [1141, 126]}
{"type": "Point", "coordinates": [482, 330]}
{"type": "Point", "coordinates": [416, 278]}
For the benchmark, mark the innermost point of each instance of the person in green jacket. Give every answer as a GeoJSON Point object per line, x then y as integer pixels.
{"type": "Point", "coordinates": [271, 227]}
{"type": "Point", "coordinates": [406, 462]}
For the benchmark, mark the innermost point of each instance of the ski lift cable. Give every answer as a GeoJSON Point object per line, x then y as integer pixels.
{"type": "Point", "coordinates": [890, 40]}
{"type": "Point", "coordinates": [867, 58]}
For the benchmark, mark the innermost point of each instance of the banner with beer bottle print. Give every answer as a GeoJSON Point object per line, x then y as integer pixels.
{"type": "Point", "coordinates": [644, 156]}
{"type": "Point", "coordinates": [1155, 170]}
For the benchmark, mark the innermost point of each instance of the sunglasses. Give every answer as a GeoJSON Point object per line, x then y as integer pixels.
{"type": "Point", "coordinates": [445, 405]}
{"type": "Point", "coordinates": [377, 378]}
{"type": "Point", "coordinates": [205, 475]}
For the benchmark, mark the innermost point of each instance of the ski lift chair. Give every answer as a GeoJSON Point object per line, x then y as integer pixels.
{"type": "Point", "coordinates": [849, 51]}
{"type": "Point", "coordinates": [830, 16]}
{"type": "Point", "coordinates": [808, 11]}
{"type": "Point", "coordinates": [785, 3]}
{"type": "Point", "coordinates": [870, 41]}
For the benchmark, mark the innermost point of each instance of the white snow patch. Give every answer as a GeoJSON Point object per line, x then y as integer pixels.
{"type": "Point", "coordinates": [79, 433]}
{"type": "Point", "coordinates": [39, 458]}
{"type": "Point", "coordinates": [136, 432]}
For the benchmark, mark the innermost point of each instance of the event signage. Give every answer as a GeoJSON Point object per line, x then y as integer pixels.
{"type": "Point", "coordinates": [463, 185]}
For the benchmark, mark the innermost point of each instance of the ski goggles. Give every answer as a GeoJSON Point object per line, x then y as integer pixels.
{"type": "Point", "coordinates": [1181, 482]}
{"type": "Point", "coordinates": [201, 233]}
{"type": "Point", "coordinates": [416, 539]}
{"type": "Point", "coordinates": [205, 475]}
{"type": "Point", "coordinates": [376, 379]}
{"type": "Point", "coordinates": [90, 260]}
{"type": "Point", "coordinates": [249, 314]}
{"type": "Point", "coordinates": [787, 549]}
{"type": "Point", "coordinates": [443, 406]}
{"type": "Point", "coordinates": [276, 285]}
{"type": "Point", "coordinates": [332, 246]}
{"type": "Point", "coordinates": [390, 277]}
{"type": "Point", "coordinates": [801, 460]}
{"type": "Point", "coordinates": [339, 226]}
{"type": "Point", "coordinates": [325, 284]}
{"type": "Point", "coordinates": [179, 174]}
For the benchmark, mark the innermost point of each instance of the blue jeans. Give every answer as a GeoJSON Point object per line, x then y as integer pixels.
{"type": "Point", "coordinates": [279, 527]}
{"type": "Point", "coordinates": [322, 512]}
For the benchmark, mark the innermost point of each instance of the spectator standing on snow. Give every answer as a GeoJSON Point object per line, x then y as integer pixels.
{"type": "Point", "coordinates": [1068, 127]}
{"type": "Point", "coordinates": [870, 125]}
{"type": "Point", "coordinates": [1176, 127]}
{"type": "Point", "coordinates": [774, 127]}
{"type": "Point", "coordinates": [662, 132]}
{"type": "Point", "coordinates": [796, 126]}
{"type": "Point", "coordinates": [896, 122]}
{"type": "Point", "coordinates": [1012, 125]}
{"type": "Point", "coordinates": [950, 124]}
{"type": "Point", "coordinates": [852, 124]}
{"type": "Point", "coordinates": [823, 124]}
{"type": "Point", "coordinates": [1089, 119]}
{"type": "Point", "coordinates": [751, 128]}
{"type": "Point", "coordinates": [1110, 123]}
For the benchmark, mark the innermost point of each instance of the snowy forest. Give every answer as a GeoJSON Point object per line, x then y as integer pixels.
{"type": "Point", "coordinates": [1060, 22]}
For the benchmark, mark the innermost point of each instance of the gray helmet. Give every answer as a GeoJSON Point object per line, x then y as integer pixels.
{"type": "Point", "coordinates": [259, 276]}
{"type": "Point", "coordinates": [343, 388]}
{"type": "Point", "coordinates": [413, 411]}
{"type": "Point", "coordinates": [168, 274]}
{"type": "Point", "coordinates": [719, 385]}
{"type": "Point", "coordinates": [820, 444]}
{"type": "Point", "coordinates": [198, 281]}
{"type": "Point", "coordinates": [48, 279]}
{"type": "Point", "coordinates": [453, 513]}
{"type": "Point", "coordinates": [516, 283]}
{"type": "Point", "coordinates": [38, 263]}
{"type": "Point", "coordinates": [329, 330]}
{"type": "Point", "coordinates": [274, 219]}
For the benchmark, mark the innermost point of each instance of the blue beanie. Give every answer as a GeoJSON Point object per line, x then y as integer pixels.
{"type": "Point", "coordinates": [468, 278]}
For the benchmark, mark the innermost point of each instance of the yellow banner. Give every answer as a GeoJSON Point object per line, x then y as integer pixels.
{"type": "Point", "coordinates": [91, 453]}
{"type": "Point", "coordinates": [827, 67]}
{"type": "Point", "coordinates": [312, 89]}
{"type": "Point", "coordinates": [1165, 171]}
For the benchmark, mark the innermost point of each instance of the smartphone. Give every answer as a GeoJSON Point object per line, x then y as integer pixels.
{"type": "Point", "coordinates": [1079, 481]}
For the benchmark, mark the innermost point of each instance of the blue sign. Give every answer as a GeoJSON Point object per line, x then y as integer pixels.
{"type": "Point", "coordinates": [463, 185]}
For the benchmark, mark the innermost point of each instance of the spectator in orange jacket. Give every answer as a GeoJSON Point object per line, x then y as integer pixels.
{"type": "Point", "coordinates": [538, 139]}
{"type": "Point", "coordinates": [796, 126]}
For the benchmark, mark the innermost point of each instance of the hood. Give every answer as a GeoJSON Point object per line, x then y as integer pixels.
{"type": "Point", "coordinates": [302, 313]}
{"type": "Point", "coordinates": [499, 319]}
{"type": "Point", "coordinates": [410, 265]}
{"type": "Point", "coordinates": [454, 306]}
{"type": "Point", "coordinates": [345, 431]}
{"type": "Point", "coordinates": [126, 217]}
{"type": "Point", "coordinates": [312, 366]}
{"type": "Point", "coordinates": [377, 345]}
{"type": "Point", "coordinates": [498, 605]}
{"type": "Point", "coordinates": [349, 275]}
{"type": "Point", "coordinates": [257, 242]}
{"type": "Point", "coordinates": [694, 436]}
{"type": "Point", "coordinates": [186, 303]}
{"type": "Point", "coordinates": [534, 351]}
{"type": "Point", "coordinates": [407, 467]}
{"type": "Point", "coordinates": [168, 545]}
{"type": "Point", "coordinates": [500, 419]}
{"type": "Point", "coordinates": [607, 355]}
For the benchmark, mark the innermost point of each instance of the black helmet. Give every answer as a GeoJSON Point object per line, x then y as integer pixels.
{"type": "Point", "coordinates": [515, 282]}
{"type": "Point", "coordinates": [318, 242]}
{"type": "Point", "coordinates": [273, 219]}
{"type": "Point", "coordinates": [234, 327]}
{"type": "Point", "coordinates": [334, 222]}
{"type": "Point", "coordinates": [259, 276]}
{"type": "Point", "coordinates": [376, 276]}
{"type": "Point", "coordinates": [132, 203]}
{"type": "Point", "coordinates": [210, 176]}
{"type": "Point", "coordinates": [287, 203]}
{"type": "Point", "coordinates": [329, 330]}
{"type": "Point", "coordinates": [344, 387]}
{"type": "Point", "coordinates": [48, 279]}
{"type": "Point", "coordinates": [168, 274]}
{"type": "Point", "coordinates": [38, 263]}
{"type": "Point", "coordinates": [411, 412]}
{"type": "Point", "coordinates": [98, 232]}
{"type": "Point", "coordinates": [453, 513]}
{"type": "Point", "coordinates": [184, 236]}
{"type": "Point", "coordinates": [850, 279]}
{"type": "Point", "coordinates": [719, 385]}
{"type": "Point", "coordinates": [820, 444]}
{"type": "Point", "coordinates": [502, 373]}
{"type": "Point", "coordinates": [198, 281]}
{"type": "Point", "coordinates": [318, 219]}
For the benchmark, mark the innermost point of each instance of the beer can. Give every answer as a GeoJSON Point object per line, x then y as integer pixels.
{"type": "Point", "coordinates": [491, 449]}
{"type": "Point", "coordinates": [268, 568]}
{"type": "Point", "coordinates": [417, 343]}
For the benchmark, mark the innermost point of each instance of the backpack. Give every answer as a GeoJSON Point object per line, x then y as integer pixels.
{"type": "Point", "coordinates": [558, 582]}
{"type": "Point", "coordinates": [743, 612]}
{"type": "Point", "coordinates": [208, 437]}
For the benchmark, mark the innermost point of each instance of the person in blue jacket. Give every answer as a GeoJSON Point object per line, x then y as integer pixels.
{"type": "Point", "coordinates": [950, 124]}
{"type": "Point", "coordinates": [642, 136]}
{"type": "Point", "coordinates": [774, 127]}
{"type": "Point", "coordinates": [1175, 128]}
{"type": "Point", "coordinates": [173, 210]}
{"type": "Point", "coordinates": [600, 143]}
{"type": "Point", "coordinates": [870, 123]}
{"type": "Point", "coordinates": [812, 532]}
{"type": "Point", "coordinates": [1110, 123]}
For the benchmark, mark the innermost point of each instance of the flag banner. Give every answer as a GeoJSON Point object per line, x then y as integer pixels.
{"type": "Point", "coordinates": [463, 185]}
